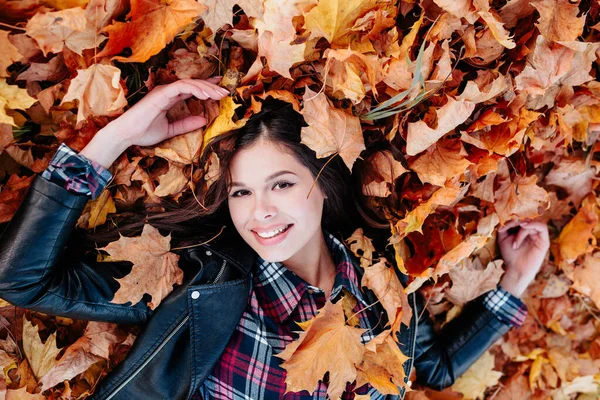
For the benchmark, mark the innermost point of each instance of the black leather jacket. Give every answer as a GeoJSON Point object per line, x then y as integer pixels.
{"type": "Point", "coordinates": [183, 338]}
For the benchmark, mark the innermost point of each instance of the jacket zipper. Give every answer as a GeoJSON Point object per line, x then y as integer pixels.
{"type": "Point", "coordinates": [163, 343]}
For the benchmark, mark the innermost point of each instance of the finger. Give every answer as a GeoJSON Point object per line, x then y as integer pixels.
{"type": "Point", "coordinates": [185, 125]}
{"type": "Point", "coordinates": [508, 225]}
{"type": "Point", "coordinates": [521, 236]}
{"type": "Point", "coordinates": [208, 87]}
{"type": "Point", "coordinates": [539, 227]}
{"type": "Point", "coordinates": [215, 79]}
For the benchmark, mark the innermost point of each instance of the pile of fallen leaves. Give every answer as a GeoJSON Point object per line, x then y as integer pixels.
{"type": "Point", "coordinates": [490, 110]}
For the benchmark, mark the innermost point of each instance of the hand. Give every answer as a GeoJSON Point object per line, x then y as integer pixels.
{"type": "Point", "coordinates": [146, 124]}
{"type": "Point", "coordinates": [523, 253]}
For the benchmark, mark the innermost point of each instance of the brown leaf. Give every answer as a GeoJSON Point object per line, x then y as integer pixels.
{"type": "Point", "coordinates": [41, 356]}
{"type": "Point", "coordinates": [154, 271]}
{"type": "Point", "coordinates": [469, 281]}
{"type": "Point", "coordinates": [558, 19]}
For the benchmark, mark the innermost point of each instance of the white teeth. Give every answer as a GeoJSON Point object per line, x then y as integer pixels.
{"type": "Point", "coordinates": [270, 234]}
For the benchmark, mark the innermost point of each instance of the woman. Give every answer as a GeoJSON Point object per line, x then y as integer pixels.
{"type": "Point", "coordinates": [215, 335]}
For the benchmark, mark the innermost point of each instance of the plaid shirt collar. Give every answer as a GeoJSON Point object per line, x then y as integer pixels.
{"type": "Point", "coordinates": [283, 290]}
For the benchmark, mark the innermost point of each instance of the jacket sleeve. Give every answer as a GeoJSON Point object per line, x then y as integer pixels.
{"type": "Point", "coordinates": [40, 270]}
{"type": "Point", "coordinates": [440, 358]}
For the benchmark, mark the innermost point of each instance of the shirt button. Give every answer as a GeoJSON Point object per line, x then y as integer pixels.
{"type": "Point", "coordinates": [195, 294]}
{"type": "Point", "coordinates": [409, 383]}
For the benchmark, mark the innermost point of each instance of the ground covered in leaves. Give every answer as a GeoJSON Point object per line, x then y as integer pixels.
{"type": "Point", "coordinates": [488, 110]}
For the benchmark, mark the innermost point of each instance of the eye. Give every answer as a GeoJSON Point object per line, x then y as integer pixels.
{"type": "Point", "coordinates": [237, 193]}
{"type": "Point", "coordinates": [283, 184]}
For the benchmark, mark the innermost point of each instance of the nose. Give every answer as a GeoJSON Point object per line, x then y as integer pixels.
{"type": "Point", "coordinates": [264, 208]}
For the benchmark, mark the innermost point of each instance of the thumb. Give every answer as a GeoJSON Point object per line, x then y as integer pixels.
{"type": "Point", "coordinates": [186, 124]}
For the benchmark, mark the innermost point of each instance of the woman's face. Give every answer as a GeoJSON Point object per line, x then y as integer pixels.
{"type": "Point", "coordinates": [269, 193]}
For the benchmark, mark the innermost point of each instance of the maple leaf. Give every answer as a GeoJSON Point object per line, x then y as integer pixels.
{"type": "Point", "coordinates": [332, 19]}
{"type": "Point", "coordinates": [362, 247]}
{"type": "Point", "coordinates": [326, 345]}
{"type": "Point", "coordinates": [224, 121]}
{"type": "Point", "coordinates": [577, 237]}
{"type": "Point", "coordinates": [558, 19]}
{"type": "Point", "coordinates": [441, 162]}
{"type": "Point", "coordinates": [97, 210]}
{"type": "Point", "coordinates": [98, 92]}
{"type": "Point", "coordinates": [478, 377]}
{"type": "Point", "coordinates": [14, 98]}
{"type": "Point", "coordinates": [69, 27]}
{"type": "Point", "coordinates": [154, 271]}
{"type": "Point", "coordinates": [521, 198]}
{"type": "Point", "coordinates": [330, 130]}
{"type": "Point", "coordinates": [383, 366]}
{"type": "Point", "coordinates": [388, 169]}
{"type": "Point", "coordinates": [23, 394]}
{"type": "Point", "coordinates": [384, 282]}
{"type": "Point", "coordinates": [469, 281]}
{"type": "Point", "coordinates": [172, 182]}
{"type": "Point", "coordinates": [12, 194]}
{"type": "Point", "coordinates": [41, 356]}
{"type": "Point", "coordinates": [573, 175]}
{"type": "Point", "coordinates": [10, 53]}
{"type": "Point", "coordinates": [153, 24]}
{"type": "Point", "coordinates": [220, 12]}
{"type": "Point", "coordinates": [449, 116]}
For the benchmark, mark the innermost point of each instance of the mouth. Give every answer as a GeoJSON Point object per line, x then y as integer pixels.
{"type": "Point", "coordinates": [272, 237]}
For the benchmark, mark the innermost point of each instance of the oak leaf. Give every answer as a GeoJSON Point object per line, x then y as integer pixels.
{"type": "Point", "coordinates": [327, 344]}
{"type": "Point", "coordinates": [330, 130]}
{"type": "Point", "coordinates": [98, 91]}
{"type": "Point", "coordinates": [154, 271]}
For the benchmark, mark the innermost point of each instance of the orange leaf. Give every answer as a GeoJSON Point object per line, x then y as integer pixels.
{"type": "Point", "coordinates": [153, 24]}
{"type": "Point", "coordinates": [326, 345]}
{"type": "Point", "coordinates": [330, 130]}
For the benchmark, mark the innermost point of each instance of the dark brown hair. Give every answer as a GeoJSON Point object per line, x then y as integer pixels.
{"type": "Point", "coordinates": [203, 214]}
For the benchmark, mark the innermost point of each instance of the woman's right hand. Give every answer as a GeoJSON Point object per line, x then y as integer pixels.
{"type": "Point", "coordinates": [146, 124]}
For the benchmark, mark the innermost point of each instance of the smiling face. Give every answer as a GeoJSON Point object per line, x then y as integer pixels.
{"type": "Point", "coordinates": [269, 193]}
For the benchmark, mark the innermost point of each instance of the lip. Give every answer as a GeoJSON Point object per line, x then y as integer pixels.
{"type": "Point", "coordinates": [274, 240]}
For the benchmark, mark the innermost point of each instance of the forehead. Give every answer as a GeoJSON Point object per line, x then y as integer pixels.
{"type": "Point", "coordinates": [259, 160]}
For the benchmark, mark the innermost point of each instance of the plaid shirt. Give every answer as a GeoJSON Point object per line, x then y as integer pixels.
{"type": "Point", "coordinates": [76, 173]}
{"type": "Point", "coordinates": [279, 298]}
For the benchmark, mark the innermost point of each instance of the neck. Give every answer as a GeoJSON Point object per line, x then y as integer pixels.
{"type": "Point", "coordinates": [314, 263]}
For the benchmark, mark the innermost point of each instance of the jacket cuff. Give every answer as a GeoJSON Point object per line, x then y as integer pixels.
{"type": "Point", "coordinates": [76, 173]}
{"type": "Point", "coordinates": [506, 307]}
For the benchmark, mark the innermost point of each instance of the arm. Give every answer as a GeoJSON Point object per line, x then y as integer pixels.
{"type": "Point", "coordinates": [39, 269]}
{"type": "Point", "coordinates": [442, 357]}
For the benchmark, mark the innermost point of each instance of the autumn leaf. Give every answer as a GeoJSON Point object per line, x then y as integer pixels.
{"type": "Point", "coordinates": [362, 247]}
{"type": "Point", "coordinates": [152, 25]}
{"type": "Point", "coordinates": [330, 130]}
{"type": "Point", "coordinates": [558, 19]}
{"type": "Point", "coordinates": [41, 356]}
{"type": "Point", "coordinates": [521, 198]}
{"type": "Point", "coordinates": [10, 53]}
{"type": "Point", "coordinates": [326, 345]}
{"type": "Point", "coordinates": [577, 237]}
{"type": "Point", "coordinates": [383, 366]}
{"type": "Point", "coordinates": [478, 377]}
{"type": "Point", "coordinates": [69, 27]}
{"type": "Point", "coordinates": [98, 92]}
{"type": "Point", "coordinates": [449, 116]}
{"type": "Point", "coordinates": [332, 19]}
{"type": "Point", "coordinates": [154, 271]}
{"type": "Point", "coordinates": [469, 281]}
{"type": "Point", "coordinates": [220, 12]}
{"type": "Point", "coordinates": [224, 121]}
{"type": "Point", "coordinates": [441, 162]}
{"type": "Point", "coordinates": [14, 98]}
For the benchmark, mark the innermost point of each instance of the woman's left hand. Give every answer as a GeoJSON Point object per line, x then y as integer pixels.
{"type": "Point", "coordinates": [523, 253]}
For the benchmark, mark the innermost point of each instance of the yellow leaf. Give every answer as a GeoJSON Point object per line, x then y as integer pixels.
{"type": "Point", "coordinates": [223, 122]}
{"type": "Point", "coordinates": [481, 375]}
{"type": "Point", "coordinates": [13, 97]}
{"type": "Point", "coordinates": [100, 208]}
{"type": "Point", "coordinates": [41, 356]}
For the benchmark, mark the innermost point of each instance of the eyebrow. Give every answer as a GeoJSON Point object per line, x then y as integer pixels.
{"type": "Point", "coordinates": [270, 177]}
